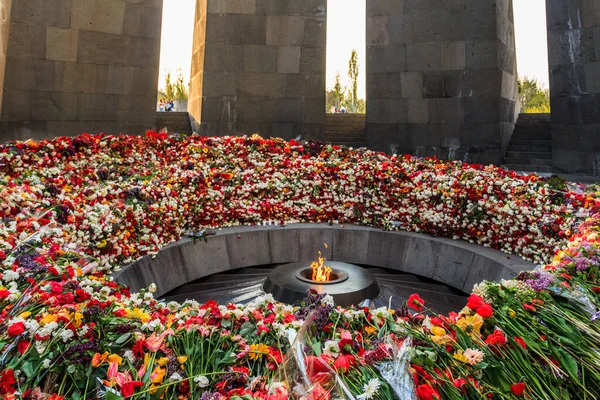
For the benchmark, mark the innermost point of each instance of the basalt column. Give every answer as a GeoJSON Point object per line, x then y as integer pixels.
{"type": "Point", "coordinates": [76, 66]}
{"type": "Point", "coordinates": [441, 78]}
{"type": "Point", "coordinates": [259, 67]}
{"type": "Point", "coordinates": [574, 52]}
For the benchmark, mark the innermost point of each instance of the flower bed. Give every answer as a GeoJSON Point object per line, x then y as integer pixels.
{"type": "Point", "coordinates": [75, 209]}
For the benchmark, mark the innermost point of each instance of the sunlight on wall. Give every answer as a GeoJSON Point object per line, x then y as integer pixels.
{"type": "Point", "coordinates": [346, 30]}
{"type": "Point", "coordinates": [176, 40]}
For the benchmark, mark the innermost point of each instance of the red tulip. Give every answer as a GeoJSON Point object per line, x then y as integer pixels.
{"type": "Point", "coordinates": [485, 311]}
{"type": "Point", "coordinates": [521, 342]}
{"type": "Point", "coordinates": [475, 302]}
{"type": "Point", "coordinates": [16, 329]}
{"type": "Point", "coordinates": [426, 392]}
{"type": "Point", "coordinates": [517, 389]}
{"type": "Point", "coordinates": [128, 388]}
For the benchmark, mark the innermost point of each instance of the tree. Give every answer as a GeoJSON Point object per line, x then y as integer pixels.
{"type": "Point", "coordinates": [533, 96]}
{"type": "Point", "coordinates": [353, 75]}
{"type": "Point", "coordinates": [181, 91]}
{"type": "Point", "coordinates": [169, 87]}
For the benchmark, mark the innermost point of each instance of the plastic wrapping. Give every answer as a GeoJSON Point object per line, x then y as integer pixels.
{"type": "Point", "coordinates": [308, 375]}
{"type": "Point", "coordinates": [396, 373]}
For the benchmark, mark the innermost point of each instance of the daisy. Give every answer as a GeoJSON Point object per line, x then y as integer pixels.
{"type": "Point", "coordinates": [370, 389]}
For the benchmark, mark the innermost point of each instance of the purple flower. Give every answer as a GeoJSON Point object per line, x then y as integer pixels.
{"type": "Point", "coordinates": [540, 280]}
{"type": "Point", "coordinates": [582, 264]}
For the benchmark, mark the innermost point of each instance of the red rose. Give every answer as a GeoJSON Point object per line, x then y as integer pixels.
{"type": "Point", "coordinates": [16, 329]}
{"type": "Point", "coordinates": [475, 302]}
{"type": "Point", "coordinates": [485, 311]}
{"type": "Point", "coordinates": [517, 389]}
{"type": "Point", "coordinates": [416, 302]}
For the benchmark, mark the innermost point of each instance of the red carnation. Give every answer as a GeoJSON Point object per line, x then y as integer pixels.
{"type": "Point", "coordinates": [518, 388]}
{"type": "Point", "coordinates": [7, 380]}
{"type": "Point", "coordinates": [497, 338]}
{"type": "Point", "coordinates": [416, 302]}
{"type": "Point", "coordinates": [485, 311]}
{"type": "Point", "coordinates": [475, 302]}
{"type": "Point", "coordinates": [4, 294]}
{"type": "Point", "coordinates": [16, 329]}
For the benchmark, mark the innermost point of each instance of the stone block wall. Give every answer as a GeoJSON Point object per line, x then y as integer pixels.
{"type": "Point", "coordinates": [441, 78]}
{"type": "Point", "coordinates": [263, 68]}
{"type": "Point", "coordinates": [76, 66]}
{"type": "Point", "coordinates": [5, 6]}
{"type": "Point", "coordinates": [574, 52]}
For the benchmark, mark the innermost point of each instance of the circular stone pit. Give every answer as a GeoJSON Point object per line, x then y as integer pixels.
{"type": "Point", "coordinates": [351, 285]}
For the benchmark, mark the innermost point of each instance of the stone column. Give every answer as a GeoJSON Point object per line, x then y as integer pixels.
{"type": "Point", "coordinates": [441, 78]}
{"type": "Point", "coordinates": [574, 53]}
{"type": "Point", "coordinates": [75, 66]}
{"type": "Point", "coordinates": [263, 69]}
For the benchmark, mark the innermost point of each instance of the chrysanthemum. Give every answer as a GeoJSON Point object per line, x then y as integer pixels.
{"type": "Point", "coordinates": [370, 389]}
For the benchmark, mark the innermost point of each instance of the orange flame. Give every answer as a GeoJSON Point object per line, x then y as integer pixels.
{"type": "Point", "coordinates": [321, 272]}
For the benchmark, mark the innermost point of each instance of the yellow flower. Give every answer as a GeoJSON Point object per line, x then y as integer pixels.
{"type": "Point", "coordinates": [511, 313]}
{"type": "Point", "coordinates": [163, 361]}
{"type": "Point", "coordinates": [47, 319]}
{"type": "Point", "coordinates": [460, 356]}
{"type": "Point", "coordinates": [138, 313]}
{"type": "Point", "coordinates": [438, 331]}
{"type": "Point", "coordinates": [158, 375]}
{"type": "Point", "coordinates": [257, 351]}
{"type": "Point", "coordinates": [77, 318]}
{"type": "Point", "coordinates": [182, 359]}
{"type": "Point", "coordinates": [102, 244]}
{"type": "Point", "coordinates": [471, 324]}
{"type": "Point", "coordinates": [370, 329]}
{"type": "Point", "coordinates": [115, 358]}
{"type": "Point", "coordinates": [25, 314]}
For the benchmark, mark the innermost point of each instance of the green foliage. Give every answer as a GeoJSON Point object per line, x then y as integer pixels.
{"type": "Point", "coordinates": [174, 90]}
{"type": "Point", "coordinates": [335, 98]}
{"type": "Point", "coordinates": [533, 97]}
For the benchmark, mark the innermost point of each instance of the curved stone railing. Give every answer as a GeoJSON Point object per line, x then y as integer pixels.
{"type": "Point", "coordinates": [456, 263]}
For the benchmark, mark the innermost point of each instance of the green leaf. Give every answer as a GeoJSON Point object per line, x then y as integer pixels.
{"type": "Point", "coordinates": [226, 323]}
{"type": "Point", "coordinates": [317, 348]}
{"type": "Point", "coordinates": [568, 363]}
{"type": "Point", "coordinates": [247, 328]}
{"type": "Point", "coordinates": [495, 376]}
{"type": "Point", "coordinates": [112, 396]}
{"type": "Point", "coordinates": [123, 338]}
{"type": "Point", "coordinates": [28, 368]}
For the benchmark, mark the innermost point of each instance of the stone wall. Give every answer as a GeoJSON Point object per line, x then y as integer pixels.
{"type": "Point", "coordinates": [76, 66]}
{"type": "Point", "coordinates": [5, 6]}
{"type": "Point", "coordinates": [263, 69]}
{"type": "Point", "coordinates": [574, 51]}
{"type": "Point", "coordinates": [441, 78]}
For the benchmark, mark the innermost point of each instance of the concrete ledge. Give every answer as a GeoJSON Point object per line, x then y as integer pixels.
{"type": "Point", "coordinates": [456, 263]}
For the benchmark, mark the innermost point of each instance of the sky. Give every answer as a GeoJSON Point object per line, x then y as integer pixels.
{"type": "Point", "coordinates": [346, 26]}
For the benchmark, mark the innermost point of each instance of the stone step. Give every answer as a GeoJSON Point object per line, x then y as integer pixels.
{"type": "Point", "coordinates": [412, 285]}
{"type": "Point", "coordinates": [354, 145]}
{"type": "Point", "coordinates": [536, 142]}
{"type": "Point", "coordinates": [212, 287]}
{"type": "Point", "coordinates": [529, 148]}
{"type": "Point", "coordinates": [525, 154]}
{"type": "Point", "coordinates": [535, 117]}
{"type": "Point", "coordinates": [530, 136]}
{"type": "Point", "coordinates": [528, 168]}
{"type": "Point", "coordinates": [528, 161]}
{"type": "Point", "coordinates": [221, 295]}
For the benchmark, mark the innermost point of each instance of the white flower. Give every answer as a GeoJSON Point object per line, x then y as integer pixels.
{"type": "Point", "coordinates": [10, 275]}
{"type": "Point", "coordinates": [130, 356]}
{"type": "Point", "coordinates": [473, 356]}
{"type": "Point", "coordinates": [175, 377]}
{"type": "Point", "coordinates": [66, 335]}
{"type": "Point", "coordinates": [173, 306]}
{"type": "Point", "coordinates": [152, 288]}
{"type": "Point", "coordinates": [331, 348]}
{"type": "Point", "coordinates": [202, 381]}
{"type": "Point", "coordinates": [46, 363]}
{"type": "Point", "coordinates": [370, 389]}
